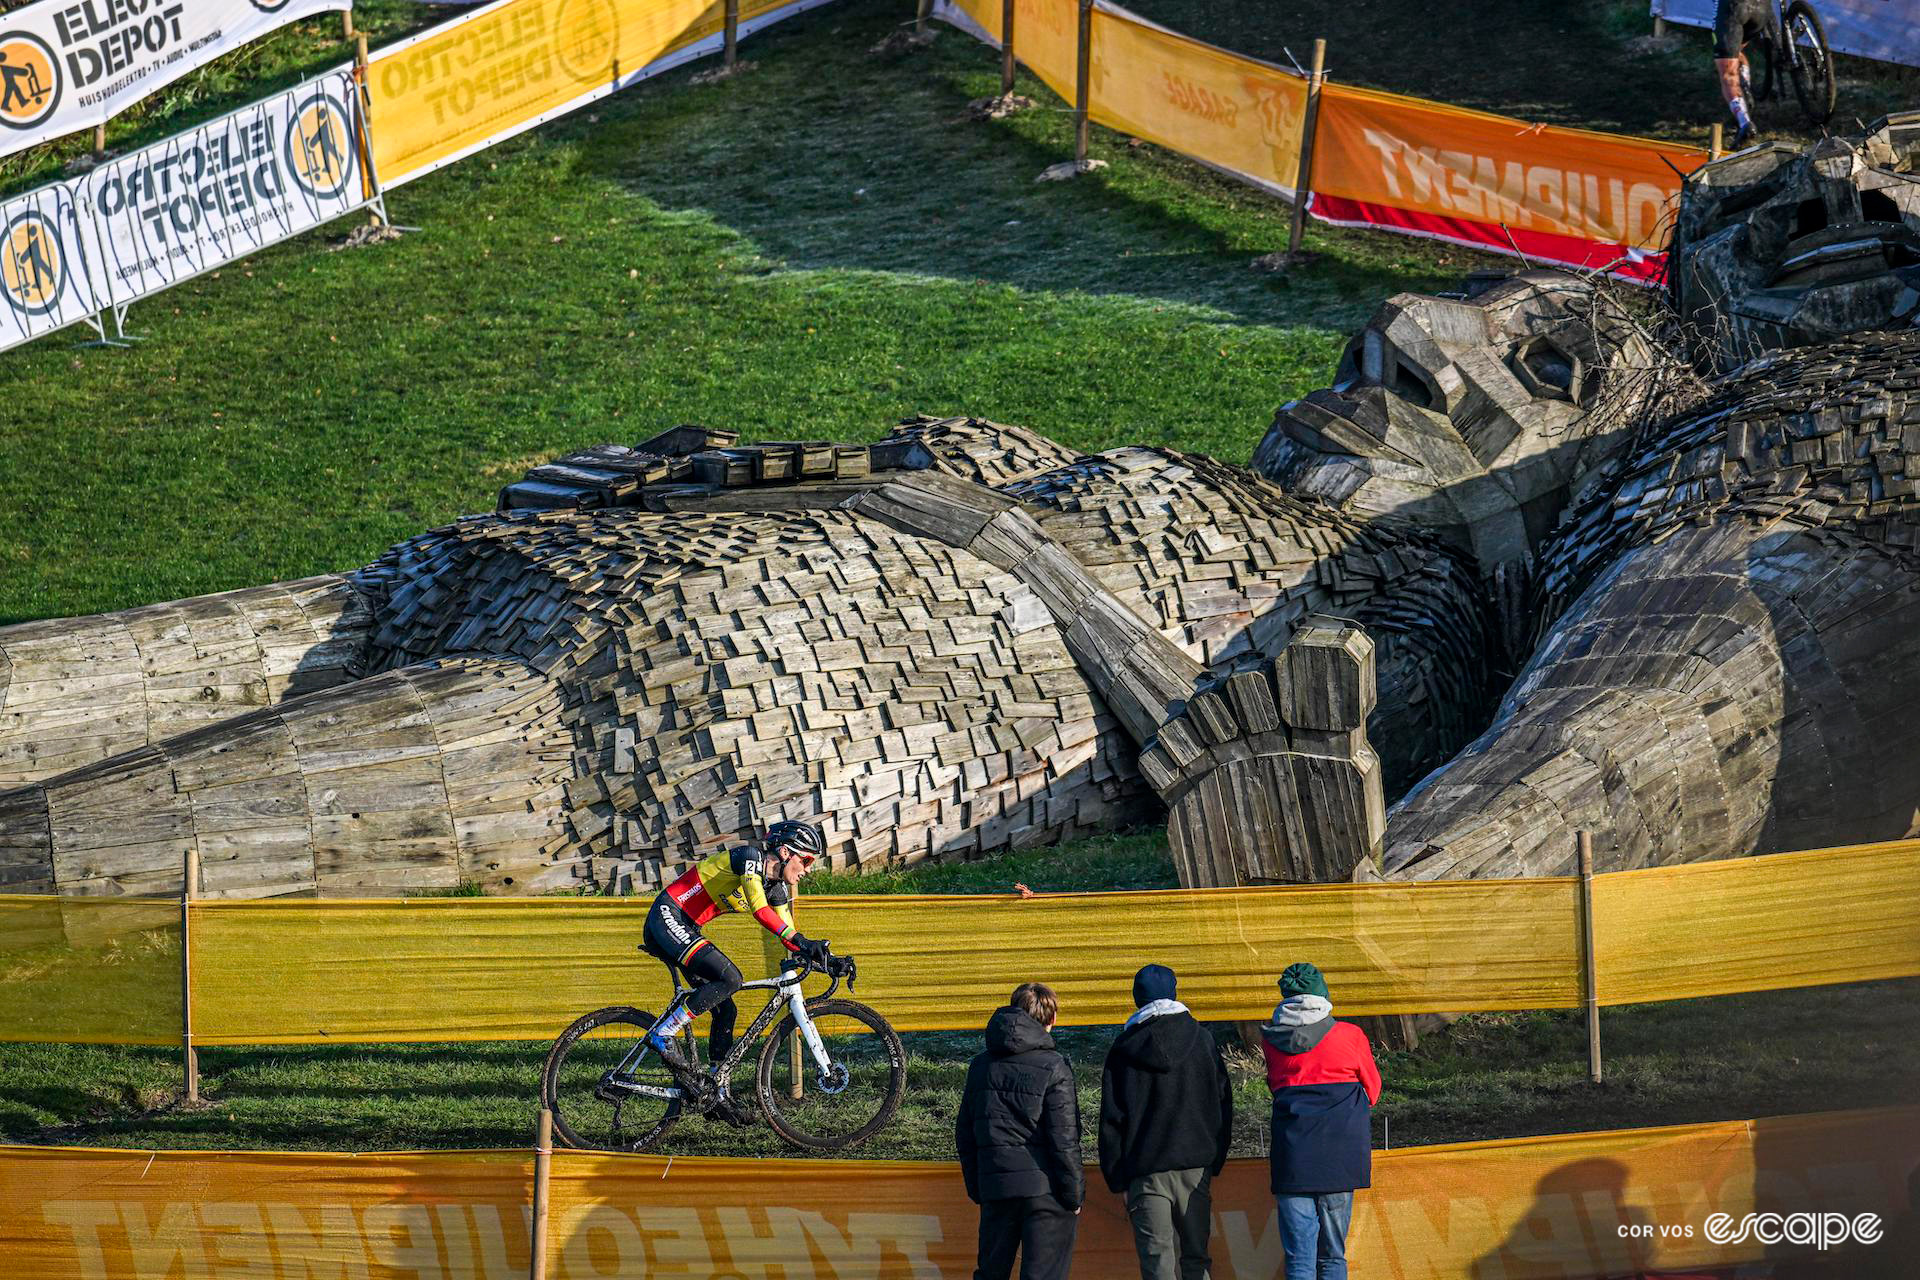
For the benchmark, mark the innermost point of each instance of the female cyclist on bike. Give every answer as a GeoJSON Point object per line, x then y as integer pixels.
{"type": "Point", "coordinates": [758, 881]}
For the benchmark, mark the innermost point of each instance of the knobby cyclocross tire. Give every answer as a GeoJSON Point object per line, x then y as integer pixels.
{"type": "Point", "coordinates": [564, 1113]}
{"type": "Point", "coordinates": [1812, 67]}
{"type": "Point", "coordinates": [776, 1107]}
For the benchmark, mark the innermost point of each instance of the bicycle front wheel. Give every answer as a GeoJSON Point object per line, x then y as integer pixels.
{"type": "Point", "coordinates": [604, 1085]}
{"type": "Point", "coordinates": [853, 1097]}
{"type": "Point", "coordinates": [1811, 62]}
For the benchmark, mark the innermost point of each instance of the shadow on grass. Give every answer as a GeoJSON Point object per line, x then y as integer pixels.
{"type": "Point", "coordinates": [830, 157]}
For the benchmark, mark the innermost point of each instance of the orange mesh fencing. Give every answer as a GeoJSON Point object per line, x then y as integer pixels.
{"type": "Point", "coordinates": [1561, 1206]}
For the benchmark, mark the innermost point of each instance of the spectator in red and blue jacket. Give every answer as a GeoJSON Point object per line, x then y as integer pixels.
{"type": "Point", "coordinates": [1324, 1084]}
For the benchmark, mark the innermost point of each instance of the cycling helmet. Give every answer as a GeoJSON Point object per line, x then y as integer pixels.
{"type": "Point", "coordinates": [802, 838]}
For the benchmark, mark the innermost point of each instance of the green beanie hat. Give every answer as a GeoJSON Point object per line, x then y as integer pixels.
{"type": "Point", "coordinates": [1303, 979]}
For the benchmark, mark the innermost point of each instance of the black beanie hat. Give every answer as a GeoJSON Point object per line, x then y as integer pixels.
{"type": "Point", "coordinates": [1153, 982]}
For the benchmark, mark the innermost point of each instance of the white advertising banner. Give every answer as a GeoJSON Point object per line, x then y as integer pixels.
{"type": "Point", "coordinates": [231, 187]}
{"type": "Point", "coordinates": [1886, 30]}
{"type": "Point", "coordinates": [44, 277]}
{"type": "Point", "coordinates": [67, 65]}
{"type": "Point", "coordinates": [143, 222]}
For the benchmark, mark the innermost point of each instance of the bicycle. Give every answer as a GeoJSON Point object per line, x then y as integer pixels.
{"type": "Point", "coordinates": [610, 1091]}
{"type": "Point", "coordinates": [1797, 45]}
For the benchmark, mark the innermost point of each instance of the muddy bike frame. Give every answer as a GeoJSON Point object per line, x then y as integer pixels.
{"type": "Point", "coordinates": [831, 1077]}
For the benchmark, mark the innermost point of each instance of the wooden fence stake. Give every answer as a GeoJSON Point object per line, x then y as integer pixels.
{"type": "Point", "coordinates": [542, 1175]}
{"type": "Point", "coordinates": [1714, 143]}
{"type": "Point", "coordinates": [346, 24]}
{"type": "Point", "coordinates": [1006, 47]}
{"type": "Point", "coordinates": [1083, 84]}
{"type": "Point", "coordinates": [732, 37]}
{"type": "Point", "coordinates": [100, 141]}
{"type": "Point", "coordinates": [921, 17]}
{"type": "Point", "coordinates": [1303, 184]}
{"type": "Point", "coordinates": [189, 1056]}
{"type": "Point", "coordinates": [1590, 973]}
{"type": "Point", "coordinates": [1659, 26]}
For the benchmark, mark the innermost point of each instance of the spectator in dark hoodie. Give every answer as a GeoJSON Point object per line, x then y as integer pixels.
{"type": "Point", "coordinates": [1018, 1132]}
{"type": "Point", "coordinates": [1166, 1119]}
{"type": "Point", "coordinates": [1324, 1084]}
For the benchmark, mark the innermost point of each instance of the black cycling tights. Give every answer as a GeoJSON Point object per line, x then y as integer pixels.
{"type": "Point", "coordinates": [714, 980]}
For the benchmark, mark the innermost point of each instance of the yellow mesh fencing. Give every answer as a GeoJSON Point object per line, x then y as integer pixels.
{"type": "Point", "coordinates": [1521, 1209]}
{"type": "Point", "coordinates": [289, 972]}
{"type": "Point", "coordinates": [1849, 914]}
{"type": "Point", "coordinates": [90, 970]}
{"type": "Point", "coordinates": [292, 971]}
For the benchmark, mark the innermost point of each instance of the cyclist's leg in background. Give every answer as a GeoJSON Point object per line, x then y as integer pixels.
{"type": "Point", "coordinates": [1730, 28]}
{"type": "Point", "coordinates": [715, 981]}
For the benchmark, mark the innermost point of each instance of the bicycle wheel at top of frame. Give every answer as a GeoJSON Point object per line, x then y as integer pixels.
{"type": "Point", "coordinates": [587, 1083]}
{"type": "Point", "coordinates": [1812, 68]}
{"type": "Point", "coordinates": [855, 1099]}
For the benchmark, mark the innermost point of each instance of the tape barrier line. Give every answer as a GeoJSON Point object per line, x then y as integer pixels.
{"type": "Point", "coordinates": [1608, 1203]}
{"type": "Point", "coordinates": [1572, 197]}
{"type": "Point", "coordinates": [294, 971]}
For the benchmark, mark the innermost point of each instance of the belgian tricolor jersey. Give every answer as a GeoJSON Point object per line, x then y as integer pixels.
{"type": "Point", "coordinates": [732, 881]}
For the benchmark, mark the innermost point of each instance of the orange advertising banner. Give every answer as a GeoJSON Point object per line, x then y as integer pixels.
{"type": "Point", "coordinates": [1568, 196]}
{"type": "Point", "coordinates": [1228, 111]}
{"type": "Point", "coordinates": [1565, 195]}
{"type": "Point", "coordinates": [1595, 1204]}
{"type": "Point", "coordinates": [1046, 34]}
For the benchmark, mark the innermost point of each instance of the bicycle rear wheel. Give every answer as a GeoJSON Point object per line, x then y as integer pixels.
{"type": "Point", "coordinates": [852, 1100]}
{"type": "Point", "coordinates": [591, 1082]}
{"type": "Point", "coordinates": [1811, 64]}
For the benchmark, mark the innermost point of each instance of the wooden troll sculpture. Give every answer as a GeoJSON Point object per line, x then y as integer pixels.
{"type": "Point", "coordinates": [962, 639]}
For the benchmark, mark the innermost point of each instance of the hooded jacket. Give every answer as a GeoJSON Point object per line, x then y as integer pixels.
{"type": "Point", "coordinates": [1165, 1101]}
{"type": "Point", "coordinates": [1018, 1128]}
{"type": "Point", "coordinates": [1324, 1084]}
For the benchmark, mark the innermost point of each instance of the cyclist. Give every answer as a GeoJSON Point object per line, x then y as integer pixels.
{"type": "Point", "coordinates": [758, 881]}
{"type": "Point", "coordinates": [1735, 22]}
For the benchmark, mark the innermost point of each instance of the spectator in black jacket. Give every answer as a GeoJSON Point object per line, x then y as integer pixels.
{"type": "Point", "coordinates": [1166, 1119]}
{"type": "Point", "coordinates": [1018, 1133]}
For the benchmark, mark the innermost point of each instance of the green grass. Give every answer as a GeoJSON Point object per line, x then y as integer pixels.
{"type": "Point", "coordinates": [1136, 860]}
{"type": "Point", "coordinates": [1490, 1076]}
{"type": "Point", "coordinates": [811, 250]}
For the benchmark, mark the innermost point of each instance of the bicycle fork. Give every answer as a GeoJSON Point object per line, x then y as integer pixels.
{"type": "Point", "coordinates": [831, 1078]}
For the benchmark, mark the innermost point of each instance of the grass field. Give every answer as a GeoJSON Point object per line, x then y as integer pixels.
{"type": "Point", "coordinates": [812, 249]}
